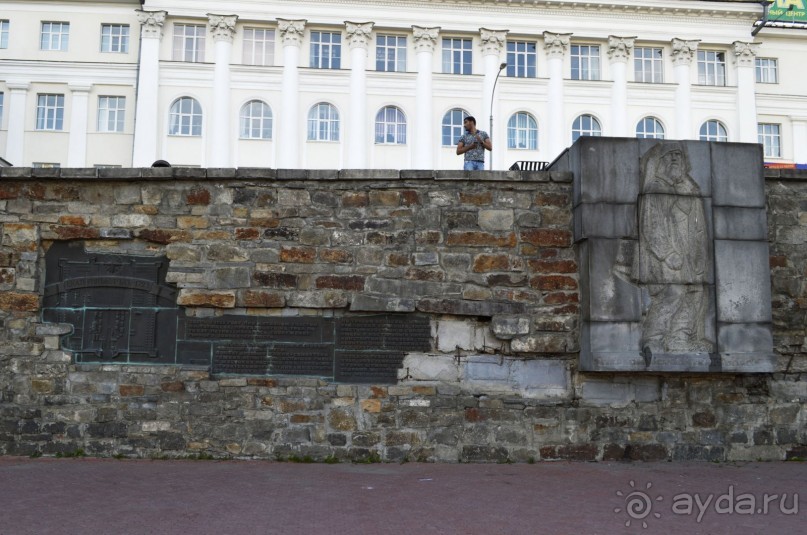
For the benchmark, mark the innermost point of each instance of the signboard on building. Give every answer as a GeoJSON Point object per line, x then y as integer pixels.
{"type": "Point", "coordinates": [788, 11]}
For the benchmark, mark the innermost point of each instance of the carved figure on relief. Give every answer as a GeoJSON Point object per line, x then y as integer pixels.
{"type": "Point", "coordinates": [672, 265]}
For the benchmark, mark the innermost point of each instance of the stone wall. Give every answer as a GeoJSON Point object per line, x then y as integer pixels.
{"type": "Point", "coordinates": [489, 260]}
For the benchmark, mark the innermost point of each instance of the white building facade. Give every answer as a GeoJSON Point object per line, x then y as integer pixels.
{"type": "Point", "coordinates": [382, 84]}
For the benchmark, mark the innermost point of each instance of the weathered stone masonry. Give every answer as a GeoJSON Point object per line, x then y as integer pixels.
{"type": "Point", "coordinates": [491, 263]}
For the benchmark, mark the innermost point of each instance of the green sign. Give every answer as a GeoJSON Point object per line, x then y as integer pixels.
{"type": "Point", "coordinates": [788, 11]}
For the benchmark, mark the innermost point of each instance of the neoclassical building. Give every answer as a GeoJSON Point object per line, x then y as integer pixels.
{"type": "Point", "coordinates": [383, 84]}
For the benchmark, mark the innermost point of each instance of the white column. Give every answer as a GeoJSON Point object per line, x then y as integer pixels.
{"type": "Point", "coordinates": [144, 150]}
{"type": "Point", "coordinates": [682, 55]}
{"type": "Point", "coordinates": [556, 46]}
{"type": "Point", "coordinates": [288, 142]}
{"type": "Point", "coordinates": [799, 125]}
{"type": "Point", "coordinates": [745, 58]}
{"type": "Point", "coordinates": [424, 124]}
{"type": "Point", "coordinates": [619, 51]}
{"type": "Point", "coordinates": [492, 45]}
{"type": "Point", "coordinates": [358, 38]}
{"type": "Point", "coordinates": [16, 106]}
{"type": "Point", "coordinates": [77, 139]}
{"type": "Point", "coordinates": [222, 27]}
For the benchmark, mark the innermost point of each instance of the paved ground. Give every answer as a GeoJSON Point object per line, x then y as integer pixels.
{"type": "Point", "coordinates": [95, 496]}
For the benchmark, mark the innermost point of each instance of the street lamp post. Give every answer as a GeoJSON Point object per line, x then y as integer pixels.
{"type": "Point", "coordinates": [493, 92]}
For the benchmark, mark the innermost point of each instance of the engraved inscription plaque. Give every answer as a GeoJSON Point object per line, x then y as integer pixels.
{"type": "Point", "coordinates": [368, 366]}
{"type": "Point", "coordinates": [303, 359]}
{"type": "Point", "coordinates": [240, 359]}
{"type": "Point", "coordinates": [120, 307]}
{"type": "Point", "coordinates": [402, 333]}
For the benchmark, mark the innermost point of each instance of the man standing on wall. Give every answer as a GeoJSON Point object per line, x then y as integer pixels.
{"type": "Point", "coordinates": [473, 144]}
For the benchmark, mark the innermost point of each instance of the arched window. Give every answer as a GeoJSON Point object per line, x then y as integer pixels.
{"type": "Point", "coordinates": [256, 120]}
{"type": "Point", "coordinates": [185, 118]}
{"type": "Point", "coordinates": [713, 131]}
{"type": "Point", "coordinates": [390, 126]}
{"type": "Point", "coordinates": [650, 128]}
{"type": "Point", "coordinates": [452, 126]}
{"type": "Point", "coordinates": [585, 125]}
{"type": "Point", "coordinates": [323, 123]}
{"type": "Point", "coordinates": [522, 131]}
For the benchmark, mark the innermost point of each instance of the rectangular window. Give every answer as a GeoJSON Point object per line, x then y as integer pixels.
{"type": "Point", "coordinates": [45, 165]}
{"type": "Point", "coordinates": [457, 56]}
{"type": "Point", "coordinates": [648, 65]}
{"type": "Point", "coordinates": [115, 38]}
{"type": "Point", "coordinates": [390, 53]}
{"type": "Point", "coordinates": [585, 62]}
{"type": "Point", "coordinates": [711, 67]}
{"type": "Point", "coordinates": [767, 71]}
{"type": "Point", "coordinates": [189, 43]}
{"type": "Point", "coordinates": [50, 112]}
{"type": "Point", "coordinates": [259, 46]}
{"type": "Point", "coordinates": [770, 140]}
{"type": "Point", "coordinates": [3, 34]}
{"type": "Point", "coordinates": [54, 36]}
{"type": "Point", "coordinates": [326, 50]}
{"type": "Point", "coordinates": [111, 112]}
{"type": "Point", "coordinates": [521, 59]}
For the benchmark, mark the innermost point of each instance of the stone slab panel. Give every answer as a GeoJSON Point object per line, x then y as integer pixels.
{"type": "Point", "coordinates": [745, 338]}
{"type": "Point", "coordinates": [605, 220]}
{"type": "Point", "coordinates": [609, 170]}
{"type": "Point", "coordinates": [700, 161]}
{"type": "Point", "coordinates": [610, 296]}
{"type": "Point", "coordinates": [743, 281]}
{"type": "Point", "coordinates": [544, 378]}
{"type": "Point", "coordinates": [737, 175]}
{"type": "Point", "coordinates": [733, 223]}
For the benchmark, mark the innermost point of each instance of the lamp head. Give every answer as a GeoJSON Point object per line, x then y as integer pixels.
{"type": "Point", "coordinates": [502, 66]}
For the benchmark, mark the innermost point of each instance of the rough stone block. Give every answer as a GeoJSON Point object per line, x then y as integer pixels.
{"type": "Point", "coordinates": [419, 367]}
{"type": "Point", "coordinates": [229, 277]}
{"type": "Point", "coordinates": [743, 281]}
{"type": "Point", "coordinates": [369, 303]}
{"type": "Point", "coordinates": [469, 308]}
{"type": "Point", "coordinates": [737, 175]}
{"type": "Point", "coordinates": [508, 327]}
{"type": "Point", "coordinates": [322, 299]}
{"type": "Point", "coordinates": [455, 334]}
{"type": "Point", "coordinates": [606, 392]}
{"type": "Point", "coordinates": [496, 219]}
{"type": "Point", "coordinates": [732, 223]}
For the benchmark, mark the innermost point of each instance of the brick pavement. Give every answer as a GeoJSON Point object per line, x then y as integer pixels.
{"type": "Point", "coordinates": [100, 496]}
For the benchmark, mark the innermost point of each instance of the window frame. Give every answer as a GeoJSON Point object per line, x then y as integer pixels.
{"type": "Point", "coordinates": [586, 67]}
{"type": "Point", "coordinates": [197, 40]}
{"type": "Point", "coordinates": [264, 47]}
{"type": "Point", "coordinates": [717, 136]}
{"type": "Point", "coordinates": [771, 67]}
{"type": "Point", "coordinates": [324, 129]}
{"type": "Point", "coordinates": [651, 67]}
{"type": "Point", "coordinates": [450, 134]}
{"type": "Point", "coordinates": [579, 131]}
{"type": "Point", "coordinates": [774, 137]}
{"type": "Point", "coordinates": [123, 37]}
{"type": "Point", "coordinates": [528, 132]}
{"type": "Point", "coordinates": [466, 58]}
{"type": "Point", "coordinates": [45, 122]}
{"type": "Point", "coordinates": [185, 118]}
{"type": "Point", "coordinates": [5, 28]}
{"type": "Point", "coordinates": [63, 34]}
{"type": "Point", "coordinates": [522, 63]}
{"type": "Point", "coordinates": [397, 50]}
{"type": "Point", "coordinates": [712, 60]}
{"type": "Point", "coordinates": [396, 128]}
{"type": "Point", "coordinates": [118, 112]}
{"type": "Point", "coordinates": [264, 123]}
{"type": "Point", "coordinates": [325, 55]}
{"type": "Point", "coordinates": [2, 108]}
{"type": "Point", "coordinates": [658, 127]}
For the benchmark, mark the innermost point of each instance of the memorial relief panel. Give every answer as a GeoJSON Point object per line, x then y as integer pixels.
{"type": "Point", "coordinates": [672, 244]}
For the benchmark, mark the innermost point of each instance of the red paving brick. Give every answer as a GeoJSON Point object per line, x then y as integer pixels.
{"type": "Point", "coordinates": [100, 496]}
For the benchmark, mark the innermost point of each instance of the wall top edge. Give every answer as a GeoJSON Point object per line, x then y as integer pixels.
{"type": "Point", "coordinates": [21, 174]}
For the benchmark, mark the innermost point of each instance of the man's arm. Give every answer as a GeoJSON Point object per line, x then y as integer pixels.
{"type": "Point", "coordinates": [486, 142]}
{"type": "Point", "coordinates": [462, 148]}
